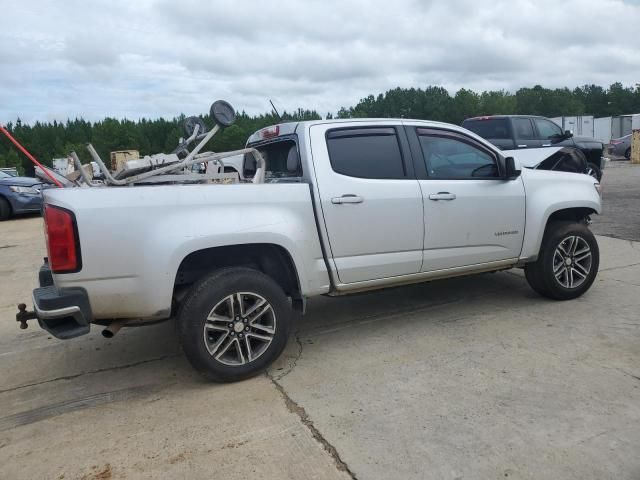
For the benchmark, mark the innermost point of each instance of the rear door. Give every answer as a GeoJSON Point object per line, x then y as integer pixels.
{"type": "Point", "coordinates": [497, 130]}
{"type": "Point", "coordinates": [524, 133]}
{"type": "Point", "coordinates": [472, 215]}
{"type": "Point", "coordinates": [370, 199]}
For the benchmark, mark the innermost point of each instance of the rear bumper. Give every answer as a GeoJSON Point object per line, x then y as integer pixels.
{"type": "Point", "coordinates": [63, 312]}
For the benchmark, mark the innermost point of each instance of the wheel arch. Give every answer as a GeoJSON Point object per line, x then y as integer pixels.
{"type": "Point", "coordinates": [567, 214]}
{"type": "Point", "coordinates": [6, 199]}
{"type": "Point", "coordinates": [577, 214]}
{"type": "Point", "coordinates": [271, 259]}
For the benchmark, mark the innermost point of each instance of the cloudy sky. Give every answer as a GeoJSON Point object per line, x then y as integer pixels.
{"type": "Point", "coordinates": [136, 58]}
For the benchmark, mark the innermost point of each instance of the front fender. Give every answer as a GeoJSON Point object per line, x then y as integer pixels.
{"type": "Point", "coordinates": [548, 192]}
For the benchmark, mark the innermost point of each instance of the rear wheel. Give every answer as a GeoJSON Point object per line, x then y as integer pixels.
{"type": "Point", "coordinates": [234, 324]}
{"type": "Point", "coordinates": [627, 154]}
{"type": "Point", "coordinates": [5, 209]}
{"type": "Point", "coordinates": [568, 262]}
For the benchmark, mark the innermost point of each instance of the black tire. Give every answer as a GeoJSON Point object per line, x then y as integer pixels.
{"type": "Point", "coordinates": [540, 274]}
{"type": "Point", "coordinates": [627, 154]}
{"type": "Point", "coordinates": [5, 209]}
{"type": "Point", "coordinates": [214, 291]}
{"type": "Point", "coordinates": [594, 171]}
{"type": "Point", "coordinates": [534, 279]}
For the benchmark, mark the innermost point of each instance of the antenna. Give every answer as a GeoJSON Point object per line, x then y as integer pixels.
{"type": "Point", "coordinates": [274, 109]}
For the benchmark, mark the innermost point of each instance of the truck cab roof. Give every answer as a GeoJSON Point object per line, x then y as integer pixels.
{"type": "Point", "coordinates": [289, 128]}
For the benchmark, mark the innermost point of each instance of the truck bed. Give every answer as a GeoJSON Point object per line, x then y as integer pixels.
{"type": "Point", "coordinates": [133, 239]}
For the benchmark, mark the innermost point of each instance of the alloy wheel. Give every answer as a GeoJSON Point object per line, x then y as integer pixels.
{"type": "Point", "coordinates": [240, 328]}
{"type": "Point", "coordinates": [572, 261]}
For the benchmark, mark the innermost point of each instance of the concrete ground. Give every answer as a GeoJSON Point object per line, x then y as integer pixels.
{"type": "Point", "coordinates": [621, 197]}
{"type": "Point", "coordinates": [466, 378]}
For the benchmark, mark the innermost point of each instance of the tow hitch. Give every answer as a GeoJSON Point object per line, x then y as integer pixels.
{"type": "Point", "coordinates": [23, 315]}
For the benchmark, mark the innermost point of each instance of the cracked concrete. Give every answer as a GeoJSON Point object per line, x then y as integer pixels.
{"type": "Point", "coordinates": [465, 378]}
{"type": "Point", "coordinates": [304, 418]}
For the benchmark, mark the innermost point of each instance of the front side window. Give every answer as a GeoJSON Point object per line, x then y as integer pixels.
{"type": "Point", "coordinates": [452, 158]}
{"type": "Point", "coordinates": [547, 129]}
{"type": "Point", "coordinates": [523, 128]}
{"type": "Point", "coordinates": [366, 153]}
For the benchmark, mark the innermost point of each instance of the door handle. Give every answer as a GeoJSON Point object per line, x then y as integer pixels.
{"type": "Point", "coordinates": [522, 146]}
{"type": "Point", "coordinates": [546, 144]}
{"type": "Point", "coordinates": [442, 196]}
{"type": "Point", "coordinates": [347, 198]}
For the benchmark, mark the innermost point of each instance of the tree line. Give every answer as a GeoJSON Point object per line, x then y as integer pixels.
{"type": "Point", "coordinates": [57, 139]}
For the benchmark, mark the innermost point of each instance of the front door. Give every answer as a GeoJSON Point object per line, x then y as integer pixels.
{"type": "Point", "coordinates": [549, 133]}
{"type": "Point", "coordinates": [370, 200]}
{"type": "Point", "coordinates": [472, 215]}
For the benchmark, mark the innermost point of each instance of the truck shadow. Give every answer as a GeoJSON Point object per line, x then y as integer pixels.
{"type": "Point", "coordinates": [157, 346]}
{"type": "Point", "coordinates": [393, 304]}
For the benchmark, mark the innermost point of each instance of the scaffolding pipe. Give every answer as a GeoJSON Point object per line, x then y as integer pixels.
{"type": "Point", "coordinates": [105, 171]}
{"type": "Point", "coordinates": [79, 166]}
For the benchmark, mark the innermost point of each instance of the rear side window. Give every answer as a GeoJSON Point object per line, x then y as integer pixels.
{"type": "Point", "coordinates": [366, 153]}
{"type": "Point", "coordinates": [524, 129]}
{"type": "Point", "coordinates": [493, 128]}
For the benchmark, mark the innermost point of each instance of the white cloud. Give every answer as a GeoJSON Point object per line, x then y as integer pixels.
{"type": "Point", "coordinates": [152, 58]}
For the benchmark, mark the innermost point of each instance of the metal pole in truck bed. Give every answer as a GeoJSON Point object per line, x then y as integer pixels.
{"type": "Point", "coordinates": [29, 156]}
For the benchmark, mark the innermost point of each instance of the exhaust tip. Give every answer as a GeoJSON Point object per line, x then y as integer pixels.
{"type": "Point", "coordinates": [112, 329]}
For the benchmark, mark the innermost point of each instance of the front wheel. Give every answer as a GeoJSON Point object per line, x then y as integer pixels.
{"type": "Point", "coordinates": [594, 171]}
{"type": "Point", "coordinates": [568, 262]}
{"type": "Point", "coordinates": [5, 209]}
{"type": "Point", "coordinates": [234, 324]}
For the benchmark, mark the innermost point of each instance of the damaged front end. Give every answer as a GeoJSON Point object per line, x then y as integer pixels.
{"type": "Point", "coordinates": [561, 159]}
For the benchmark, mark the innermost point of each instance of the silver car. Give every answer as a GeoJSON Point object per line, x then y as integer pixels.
{"type": "Point", "coordinates": [621, 147]}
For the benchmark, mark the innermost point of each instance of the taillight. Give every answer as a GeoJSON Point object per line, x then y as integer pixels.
{"type": "Point", "coordinates": [62, 240]}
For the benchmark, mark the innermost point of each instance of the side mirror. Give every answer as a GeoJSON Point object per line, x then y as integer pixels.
{"type": "Point", "coordinates": [568, 133]}
{"type": "Point", "coordinates": [510, 169]}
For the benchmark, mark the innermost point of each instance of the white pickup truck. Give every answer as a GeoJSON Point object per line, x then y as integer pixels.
{"type": "Point", "coordinates": [344, 206]}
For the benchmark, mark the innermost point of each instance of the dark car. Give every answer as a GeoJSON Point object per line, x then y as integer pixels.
{"type": "Point", "coordinates": [19, 195]}
{"type": "Point", "coordinates": [621, 147]}
{"type": "Point", "coordinates": [511, 132]}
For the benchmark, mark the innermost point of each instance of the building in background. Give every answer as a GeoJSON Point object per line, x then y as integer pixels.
{"type": "Point", "coordinates": [580, 125]}
{"type": "Point", "coordinates": [602, 129]}
{"type": "Point", "coordinates": [606, 128]}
